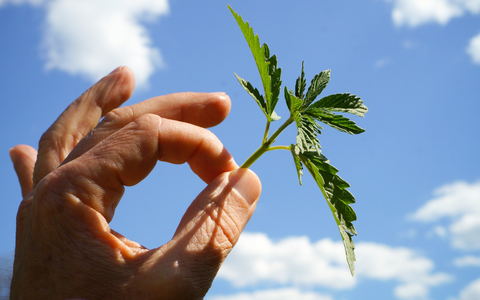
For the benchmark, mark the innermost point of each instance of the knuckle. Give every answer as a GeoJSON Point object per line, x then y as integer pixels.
{"type": "Point", "coordinates": [147, 120]}
{"type": "Point", "coordinates": [115, 115]}
{"type": "Point", "coordinates": [47, 139]}
{"type": "Point", "coordinates": [51, 140]}
{"type": "Point", "coordinates": [119, 116]}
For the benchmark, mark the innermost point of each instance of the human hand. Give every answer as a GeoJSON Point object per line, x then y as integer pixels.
{"type": "Point", "coordinates": [65, 248]}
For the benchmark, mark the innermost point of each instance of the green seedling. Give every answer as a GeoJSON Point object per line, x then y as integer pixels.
{"type": "Point", "coordinates": [305, 112]}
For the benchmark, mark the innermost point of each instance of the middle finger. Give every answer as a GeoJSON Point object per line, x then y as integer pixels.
{"type": "Point", "coordinates": [201, 109]}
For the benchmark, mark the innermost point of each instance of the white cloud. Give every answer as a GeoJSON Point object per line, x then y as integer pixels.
{"type": "Point", "coordinates": [412, 290]}
{"type": "Point", "coordinates": [471, 5]}
{"type": "Point", "coordinates": [275, 294]}
{"type": "Point", "coordinates": [467, 261]}
{"type": "Point", "coordinates": [297, 261]}
{"type": "Point", "coordinates": [293, 260]}
{"type": "Point", "coordinates": [474, 49]}
{"type": "Point", "coordinates": [411, 271]}
{"type": "Point", "coordinates": [459, 203]}
{"type": "Point", "coordinates": [414, 13]}
{"type": "Point", "coordinates": [471, 291]}
{"type": "Point", "coordinates": [90, 38]}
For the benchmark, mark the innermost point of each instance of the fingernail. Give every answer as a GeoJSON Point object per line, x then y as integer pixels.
{"type": "Point", "coordinates": [116, 70]}
{"type": "Point", "coordinates": [246, 183]}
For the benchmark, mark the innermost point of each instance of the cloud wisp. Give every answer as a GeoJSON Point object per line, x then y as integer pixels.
{"type": "Point", "coordinates": [467, 261]}
{"type": "Point", "coordinates": [90, 38]}
{"type": "Point", "coordinates": [382, 62]}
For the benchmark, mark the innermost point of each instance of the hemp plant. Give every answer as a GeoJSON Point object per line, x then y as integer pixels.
{"type": "Point", "coordinates": [305, 112]}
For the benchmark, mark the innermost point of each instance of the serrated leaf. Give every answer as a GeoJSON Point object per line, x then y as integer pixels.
{"type": "Point", "coordinates": [337, 198]}
{"type": "Point", "coordinates": [307, 128]}
{"type": "Point", "coordinates": [298, 164]}
{"type": "Point", "coordinates": [349, 248]}
{"type": "Point", "coordinates": [267, 66]}
{"type": "Point", "coordinates": [321, 163]}
{"type": "Point", "coordinates": [293, 102]}
{"type": "Point", "coordinates": [254, 93]}
{"type": "Point", "coordinates": [307, 132]}
{"type": "Point", "coordinates": [275, 88]}
{"type": "Point", "coordinates": [257, 51]}
{"type": "Point", "coordinates": [275, 75]}
{"type": "Point", "coordinates": [300, 85]}
{"type": "Point", "coordinates": [342, 103]}
{"type": "Point", "coordinates": [338, 122]}
{"type": "Point", "coordinates": [319, 82]}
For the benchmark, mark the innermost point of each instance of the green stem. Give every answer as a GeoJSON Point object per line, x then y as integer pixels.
{"type": "Point", "coordinates": [266, 145]}
{"type": "Point", "coordinates": [279, 148]}
{"type": "Point", "coordinates": [265, 135]}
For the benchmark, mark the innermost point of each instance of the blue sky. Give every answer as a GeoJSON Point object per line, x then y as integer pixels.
{"type": "Point", "coordinates": [414, 172]}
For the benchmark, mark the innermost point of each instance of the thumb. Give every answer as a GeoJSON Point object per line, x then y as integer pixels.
{"type": "Point", "coordinates": [211, 227]}
{"type": "Point", "coordinates": [226, 204]}
{"type": "Point", "coordinates": [24, 158]}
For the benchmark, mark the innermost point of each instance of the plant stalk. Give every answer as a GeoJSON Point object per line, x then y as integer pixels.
{"type": "Point", "coordinates": [265, 135]}
{"type": "Point", "coordinates": [266, 145]}
{"type": "Point", "coordinates": [279, 148]}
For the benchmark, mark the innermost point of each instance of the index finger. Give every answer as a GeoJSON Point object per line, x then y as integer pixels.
{"type": "Point", "coordinates": [200, 109]}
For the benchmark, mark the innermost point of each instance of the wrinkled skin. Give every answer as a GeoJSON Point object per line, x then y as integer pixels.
{"type": "Point", "coordinates": [65, 248]}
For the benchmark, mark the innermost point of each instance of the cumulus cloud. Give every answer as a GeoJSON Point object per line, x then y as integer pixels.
{"type": "Point", "coordinates": [473, 49]}
{"type": "Point", "coordinates": [275, 294]}
{"type": "Point", "coordinates": [297, 261]}
{"type": "Point", "coordinates": [411, 271]}
{"type": "Point", "coordinates": [459, 203]}
{"type": "Point", "coordinates": [471, 291]}
{"type": "Point", "coordinates": [92, 37]}
{"type": "Point", "coordinates": [413, 13]}
{"type": "Point", "coordinates": [294, 260]}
